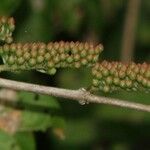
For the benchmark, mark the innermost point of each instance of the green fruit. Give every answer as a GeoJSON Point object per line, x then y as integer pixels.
{"type": "Point", "coordinates": [11, 60]}
{"type": "Point", "coordinates": [69, 59]}
{"type": "Point", "coordinates": [27, 56]}
{"type": "Point", "coordinates": [47, 56]}
{"type": "Point", "coordinates": [20, 60]}
{"type": "Point", "coordinates": [95, 82]}
{"type": "Point", "coordinates": [50, 64]}
{"type": "Point", "coordinates": [32, 62]}
{"type": "Point", "coordinates": [19, 53]}
{"type": "Point", "coordinates": [84, 62]}
{"type": "Point", "coordinates": [106, 89]}
{"type": "Point", "coordinates": [40, 59]}
{"type": "Point", "coordinates": [52, 71]}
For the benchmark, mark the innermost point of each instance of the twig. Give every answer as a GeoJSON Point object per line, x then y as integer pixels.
{"type": "Point", "coordinates": [81, 95]}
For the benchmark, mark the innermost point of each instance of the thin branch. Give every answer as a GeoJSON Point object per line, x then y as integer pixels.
{"type": "Point", "coordinates": [81, 95]}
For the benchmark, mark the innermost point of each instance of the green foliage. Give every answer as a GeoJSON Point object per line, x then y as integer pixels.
{"type": "Point", "coordinates": [19, 141]}
{"type": "Point", "coordinates": [38, 100]}
{"type": "Point", "coordinates": [79, 138]}
{"type": "Point", "coordinates": [34, 121]}
{"type": "Point", "coordinates": [37, 113]}
{"type": "Point", "coordinates": [25, 140]}
{"type": "Point", "coordinates": [7, 7]}
{"type": "Point", "coordinates": [7, 142]}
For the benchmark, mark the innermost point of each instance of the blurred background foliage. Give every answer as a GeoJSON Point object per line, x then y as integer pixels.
{"type": "Point", "coordinates": [51, 123]}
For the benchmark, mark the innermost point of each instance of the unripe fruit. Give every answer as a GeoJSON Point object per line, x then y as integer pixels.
{"type": "Point", "coordinates": [19, 53]}
{"type": "Point", "coordinates": [6, 48]}
{"type": "Point", "coordinates": [1, 51]}
{"type": "Point", "coordinates": [40, 59]}
{"type": "Point", "coordinates": [116, 81]}
{"type": "Point", "coordinates": [56, 59]}
{"type": "Point", "coordinates": [122, 84]}
{"type": "Point", "coordinates": [27, 56]}
{"type": "Point", "coordinates": [50, 64]}
{"type": "Point", "coordinates": [53, 55]}
{"type": "Point", "coordinates": [77, 65]}
{"type": "Point", "coordinates": [20, 60]}
{"type": "Point", "coordinates": [11, 60]}
{"type": "Point", "coordinates": [42, 46]}
{"type": "Point", "coordinates": [47, 56]}
{"type": "Point", "coordinates": [128, 83]}
{"type": "Point", "coordinates": [109, 80]}
{"type": "Point", "coordinates": [9, 39]}
{"type": "Point", "coordinates": [83, 53]}
{"type": "Point", "coordinates": [32, 62]}
{"type": "Point", "coordinates": [62, 57]}
{"type": "Point", "coordinates": [51, 71]}
{"type": "Point", "coordinates": [106, 89]}
{"type": "Point", "coordinates": [69, 59]}
{"type": "Point", "coordinates": [95, 82]}
{"type": "Point", "coordinates": [84, 62]}
{"type": "Point", "coordinates": [90, 58]}
{"type": "Point", "coordinates": [41, 52]}
{"type": "Point", "coordinates": [126, 76]}
{"type": "Point", "coordinates": [56, 45]}
{"type": "Point", "coordinates": [34, 54]}
{"type": "Point", "coordinates": [13, 47]}
{"type": "Point", "coordinates": [105, 72]}
{"type": "Point", "coordinates": [77, 57]}
{"type": "Point", "coordinates": [98, 75]}
{"type": "Point", "coordinates": [6, 28]}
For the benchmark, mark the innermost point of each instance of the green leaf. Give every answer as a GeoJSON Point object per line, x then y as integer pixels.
{"type": "Point", "coordinates": [34, 121]}
{"type": "Point", "coordinates": [35, 28]}
{"type": "Point", "coordinates": [79, 132]}
{"type": "Point", "coordinates": [38, 100]}
{"type": "Point", "coordinates": [26, 140]}
{"type": "Point", "coordinates": [7, 7]}
{"type": "Point", "coordinates": [38, 108]}
{"type": "Point", "coordinates": [58, 122]}
{"type": "Point", "coordinates": [7, 142]}
{"type": "Point", "coordinates": [68, 76]}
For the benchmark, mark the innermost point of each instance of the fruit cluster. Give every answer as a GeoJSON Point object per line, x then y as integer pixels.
{"type": "Point", "coordinates": [7, 26]}
{"type": "Point", "coordinates": [107, 76]}
{"type": "Point", "coordinates": [114, 76]}
{"type": "Point", "coordinates": [49, 57]}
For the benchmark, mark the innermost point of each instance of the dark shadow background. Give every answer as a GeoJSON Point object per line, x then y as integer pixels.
{"type": "Point", "coordinates": [92, 127]}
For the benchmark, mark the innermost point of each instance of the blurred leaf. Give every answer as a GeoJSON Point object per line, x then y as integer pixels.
{"type": "Point", "coordinates": [120, 146]}
{"type": "Point", "coordinates": [34, 121]}
{"type": "Point", "coordinates": [26, 140]}
{"type": "Point", "coordinates": [121, 114]}
{"type": "Point", "coordinates": [7, 142]}
{"type": "Point", "coordinates": [35, 116]}
{"type": "Point", "coordinates": [144, 33]}
{"type": "Point", "coordinates": [75, 78]}
{"type": "Point", "coordinates": [9, 120]}
{"type": "Point", "coordinates": [34, 28]}
{"type": "Point", "coordinates": [7, 7]}
{"type": "Point", "coordinates": [79, 131]}
{"type": "Point", "coordinates": [58, 122]}
{"type": "Point", "coordinates": [66, 18]}
{"type": "Point", "coordinates": [38, 100]}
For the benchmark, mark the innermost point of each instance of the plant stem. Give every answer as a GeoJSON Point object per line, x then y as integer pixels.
{"type": "Point", "coordinates": [80, 95]}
